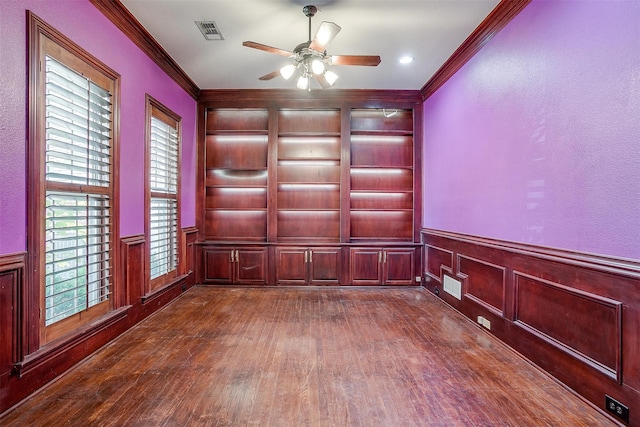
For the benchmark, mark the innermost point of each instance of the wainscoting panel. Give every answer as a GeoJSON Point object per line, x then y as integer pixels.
{"type": "Point", "coordinates": [575, 315]}
{"type": "Point", "coordinates": [436, 260]}
{"type": "Point", "coordinates": [586, 326]}
{"type": "Point", "coordinates": [190, 235]}
{"type": "Point", "coordinates": [11, 283]}
{"type": "Point", "coordinates": [485, 282]}
{"type": "Point", "coordinates": [133, 272]}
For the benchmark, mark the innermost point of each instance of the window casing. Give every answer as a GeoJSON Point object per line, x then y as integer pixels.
{"type": "Point", "coordinates": [163, 195]}
{"type": "Point", "coordinates": [72, 176]}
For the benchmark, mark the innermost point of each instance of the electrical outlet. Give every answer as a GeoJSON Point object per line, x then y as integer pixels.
{"type": "Point", "coordinates": [418, 279]}
{"type": "Point", "coordinates": [616, 408]}
{"type": "Point", "coordinates": [480, 319]}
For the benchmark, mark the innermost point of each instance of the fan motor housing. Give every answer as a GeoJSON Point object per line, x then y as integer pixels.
{"type": "Point", "coordinates": [309, 10]}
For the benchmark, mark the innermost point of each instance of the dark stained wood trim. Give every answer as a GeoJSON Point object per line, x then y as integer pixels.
{"type": "Point", "coordinates": [15, 261]}
{"type": "Point", "coordinates": [418, 131]}
{"type": "Point", "coordinates": [294, 98]}
{"type": "Point", "coordinates": [201, 132]}
{"type": "Point", "coordinates": [621, 266]}
{"type": "Point", "coordinates": [13, 265]}
{"type": "Point", "coordinates": [115, 11]}
{"type": "Point", "coordinates": [132, 286]}
{"type": "Point", "coordinates": [501, 15]}
{"type": "Point", "coordinates": [154, 108]}
{"type": "Point", "coordinates": [157, 293]}
{"type": "Point", "coordinates": [59, 347]}
{"type": "Point", "coordinates": [188, 265]}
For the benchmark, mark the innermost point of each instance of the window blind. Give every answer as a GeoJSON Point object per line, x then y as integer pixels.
{"type": "Point", "coordinates": [164, 157]}
{"type": "Point", "coordinates": [164, 227]}
{"type": "Point", "coordinates": [77, 206]}
{"type": "Point", "coordinates": [77, 262]}
{"type": "Point", "coordinates": [78, 128]}
{"type": "Point", "coordinates": [163, 217]}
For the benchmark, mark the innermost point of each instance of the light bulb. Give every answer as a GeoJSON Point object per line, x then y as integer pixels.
{"type": "Point", "coordinates": [317, 66]}
{"type": "Point", "coordinates": [331, 77]}
{"type": "Point", "coordinates": [303, 82]}
{"type": "Point", "coordinates": [287, 71]}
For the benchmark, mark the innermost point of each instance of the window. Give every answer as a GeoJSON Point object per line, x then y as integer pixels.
{"type": "Point", "coordinates": [163, 154]}
{"type": "Point", "coordinates": [72, 185]}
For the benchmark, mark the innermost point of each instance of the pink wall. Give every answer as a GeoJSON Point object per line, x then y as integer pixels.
{"type": "Point", "coordinates": [86, 26]}
{"type": "Point", "coordinates": [537, 138]}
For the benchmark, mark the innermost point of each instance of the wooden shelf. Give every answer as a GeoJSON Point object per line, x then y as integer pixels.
{"type": "Point", "coordinates": [382, 159]}
{"type": "Point", "coordinates": [278, 175]}
{"type": "Point", "coordinates": [236, 174]}
{"type": "Point", "coordinates": [308, 148]}
{"type": "Point", "coordinates": [241, 120]}
{"type": "Point", "coordinates": [308, 174]}
{"type": "Point", "coordinates": [388, 120]}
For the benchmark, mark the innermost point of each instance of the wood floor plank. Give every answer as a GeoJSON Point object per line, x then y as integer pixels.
{"type": "Point", "coordinates": [305, 357]}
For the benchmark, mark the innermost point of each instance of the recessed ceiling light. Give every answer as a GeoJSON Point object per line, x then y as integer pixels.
{"type": "Point", "coordinates": [407, 59]}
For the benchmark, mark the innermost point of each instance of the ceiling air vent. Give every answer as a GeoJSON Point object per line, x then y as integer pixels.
{"type": "Point", "coordinates": [209, 30]}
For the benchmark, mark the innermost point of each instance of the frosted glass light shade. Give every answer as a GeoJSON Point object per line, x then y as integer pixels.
{"type": "Point", "coordinates": [317, 66]}
{"type": "Point", "coordinates": [331, 77]}
{"type": "Point", "coordinates": [303, 82]}
{"type": "Point", "coordinates": [287, 71]}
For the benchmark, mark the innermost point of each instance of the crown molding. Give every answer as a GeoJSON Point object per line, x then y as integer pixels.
{"type": "Point", "coordinates": [115, 11]}
{"type": "Point", "coordinates": [499, 17]}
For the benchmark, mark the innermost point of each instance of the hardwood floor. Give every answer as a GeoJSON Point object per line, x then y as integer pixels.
{"type": "Point", "coordinates": [305, 357]}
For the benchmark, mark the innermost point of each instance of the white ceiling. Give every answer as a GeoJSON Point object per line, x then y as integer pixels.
{"type": "Point", "coordinates": [429, 30]}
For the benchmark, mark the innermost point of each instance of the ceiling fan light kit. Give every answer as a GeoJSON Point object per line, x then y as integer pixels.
{"type": "Point", "coordinates": [310, 58]}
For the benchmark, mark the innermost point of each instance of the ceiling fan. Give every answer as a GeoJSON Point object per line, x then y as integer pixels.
{"type": "Point", "coordinates": [310, 58]}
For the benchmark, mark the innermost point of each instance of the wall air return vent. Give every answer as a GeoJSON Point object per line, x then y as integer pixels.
{"type": "Point", "coordinates": [209, 30]}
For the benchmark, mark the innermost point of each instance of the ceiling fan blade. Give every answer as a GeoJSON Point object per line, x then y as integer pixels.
{"type": "Point", "coordinates": [266, 48]}
{"type": "Point", "coordinates": [326, 32]}
{"type": "Point", "coordinates": [322, 80]}
{"type": "Point", "coordinates": [369, 60]}
{"type": "Point", "coordinates": [270, 76]}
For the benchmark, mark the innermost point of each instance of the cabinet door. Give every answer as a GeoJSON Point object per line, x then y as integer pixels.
{"type": "Point", "coordinates": [251, 266]}
{"type": "Point", "coordinates": [218, 265]}
{"type": "Point", "coordinates": [291, 266]}
{"type": "Point", "coordinates": [366, 266]}
{"type": "Point", "coordinates": [324, 266]}
{"type": "Point", "coordinates": [399, 266]}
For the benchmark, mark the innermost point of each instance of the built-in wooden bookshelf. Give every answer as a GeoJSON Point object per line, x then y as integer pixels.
{"type": "Point", "coordinates": [309, 191]}
{"type": "Point", "coordinates": [309, 175]}
{"type": "Point", "coordinates": [381, 173]}
{"type": "Point", "coordinates": [236, 174]}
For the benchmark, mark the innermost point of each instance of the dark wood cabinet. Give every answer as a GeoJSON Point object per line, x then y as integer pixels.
{"type": "Point", "coordinates": [308, 266]}
{"type": "Point", "coordinates": [235, 265]}
{"type": "Point", "coordinates": [383, 266]}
